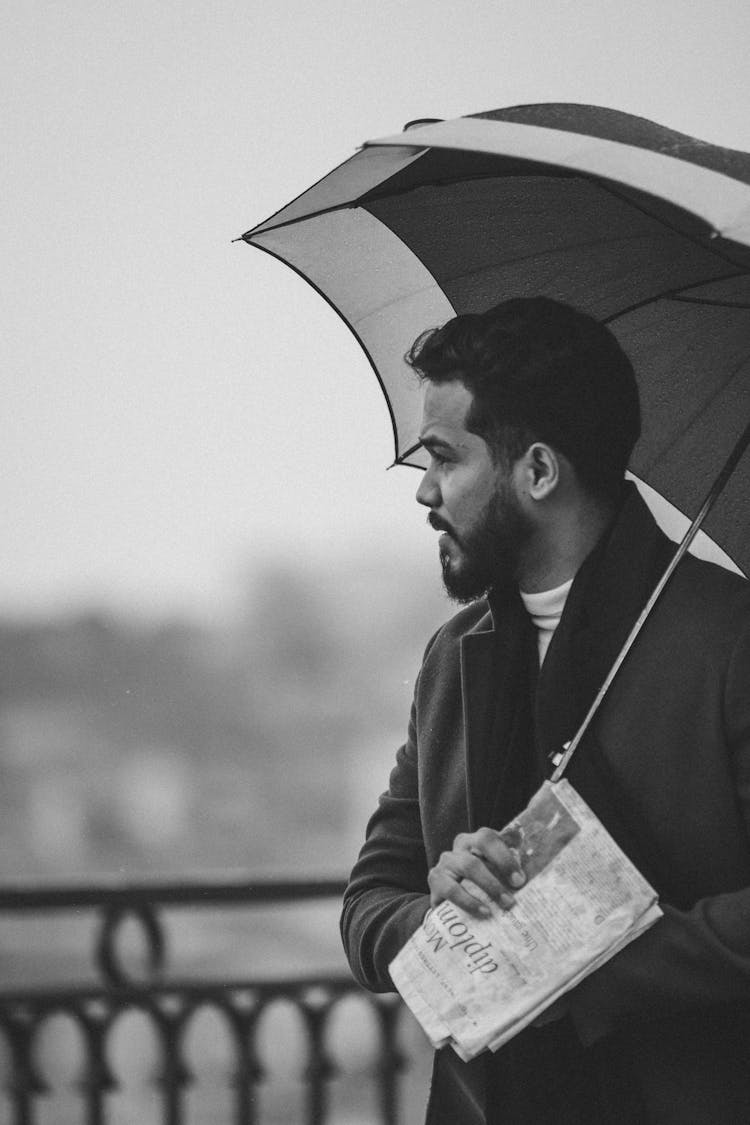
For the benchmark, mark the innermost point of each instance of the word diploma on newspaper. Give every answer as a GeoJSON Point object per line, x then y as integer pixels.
{"type": "Point", "coordinates": [475, 983]}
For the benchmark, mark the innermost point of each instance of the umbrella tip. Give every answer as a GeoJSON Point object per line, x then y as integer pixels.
{"type": "Point", "coordinates": [422, 121]}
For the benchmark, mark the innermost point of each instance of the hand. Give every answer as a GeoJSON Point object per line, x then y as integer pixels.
{"type": "Point", "coordinates": [486, 863]}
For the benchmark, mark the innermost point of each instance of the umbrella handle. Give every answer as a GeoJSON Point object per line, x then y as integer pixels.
{"type": "Point", "coordinates": [561, 759]}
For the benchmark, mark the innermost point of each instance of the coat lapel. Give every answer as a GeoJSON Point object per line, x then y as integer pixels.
{"type": "Point", "coordinates": [490, 662]}
{"type": "Point", "coordinates": [609, 591]}
{"type": "Point", "coordinates": [607, 595]}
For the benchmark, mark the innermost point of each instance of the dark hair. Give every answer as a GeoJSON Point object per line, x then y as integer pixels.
{"type": "Point", "coordinates": [540, 370]}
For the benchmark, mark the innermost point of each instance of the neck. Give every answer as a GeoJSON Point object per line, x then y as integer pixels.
{"type": "Point", "coordinates": [561, 543]}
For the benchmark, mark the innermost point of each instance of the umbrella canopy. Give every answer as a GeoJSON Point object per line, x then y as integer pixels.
{"type": "Point", "coordinates": [642, 227]}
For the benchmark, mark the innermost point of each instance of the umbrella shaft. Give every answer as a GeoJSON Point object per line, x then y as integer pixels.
{"type": "Point", "coordinates": [561, 760]}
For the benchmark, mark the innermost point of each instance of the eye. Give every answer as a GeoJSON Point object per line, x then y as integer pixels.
{"type": "Point", "coordinates": [439, 458]}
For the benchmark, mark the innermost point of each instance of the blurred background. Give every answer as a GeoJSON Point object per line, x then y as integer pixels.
{"type": "Point", "coordinates": [213, 597]}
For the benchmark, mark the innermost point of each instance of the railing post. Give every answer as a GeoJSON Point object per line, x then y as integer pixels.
{"type": "Point", "coordinates": [243, 1013]}
{"type": "Point", "coordinates": [169, 1017]}
{"type": "Point", "coordinates": [24, 1083]}
{"type": "Point", "coordinates": [315, 1006]}
{"type": "Point", "coordinates": [391, 1061]}
{"type": "Point", "coordinates": [96, 1080]}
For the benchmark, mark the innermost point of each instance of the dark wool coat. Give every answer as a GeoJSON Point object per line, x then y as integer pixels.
{"type": "Point", "coordinates": [666, 767]}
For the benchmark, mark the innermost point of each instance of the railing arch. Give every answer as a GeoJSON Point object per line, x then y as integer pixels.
{"type": "Point", "coordinates": [172, 1004]}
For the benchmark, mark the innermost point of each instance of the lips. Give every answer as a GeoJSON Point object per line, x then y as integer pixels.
{"type": "Point", "coordinates": [438, 525]}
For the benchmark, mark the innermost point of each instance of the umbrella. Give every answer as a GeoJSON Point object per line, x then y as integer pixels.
{"type": "Point", "coordinates": [643, 227]}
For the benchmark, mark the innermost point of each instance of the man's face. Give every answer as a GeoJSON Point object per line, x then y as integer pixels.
{"type": "Point", "coordinates": [471, 499]}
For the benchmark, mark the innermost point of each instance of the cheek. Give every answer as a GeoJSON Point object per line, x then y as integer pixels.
{"type": "Point", "coordinates": [467, 492]}
{"type": "Point", "coordinates": [471, 498]}
{"type": "Point", "coordinates": [457, 502]}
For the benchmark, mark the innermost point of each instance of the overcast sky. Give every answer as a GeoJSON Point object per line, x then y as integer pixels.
{"type": "Point", "coordinates": [178, 407]}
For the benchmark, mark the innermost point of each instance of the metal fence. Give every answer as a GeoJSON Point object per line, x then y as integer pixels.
{"type": "Point", "coordinates": [169, 1004]}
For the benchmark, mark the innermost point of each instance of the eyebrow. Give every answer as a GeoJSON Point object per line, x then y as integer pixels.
{"type": "Point", "coordinates": [435, 443]}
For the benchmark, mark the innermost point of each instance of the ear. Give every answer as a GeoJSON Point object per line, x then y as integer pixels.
{"type": "Point", "coordinates": [540, 469]}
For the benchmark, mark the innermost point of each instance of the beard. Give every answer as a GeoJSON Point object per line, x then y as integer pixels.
{"type": "Point", "coordinates": [487, 556]}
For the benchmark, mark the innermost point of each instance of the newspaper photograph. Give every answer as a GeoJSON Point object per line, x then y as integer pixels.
{"type": "Point", "coordinates": [474, 983]}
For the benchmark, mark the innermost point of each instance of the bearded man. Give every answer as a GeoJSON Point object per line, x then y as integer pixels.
{"type": "Point", "coordinates": [530, 415]}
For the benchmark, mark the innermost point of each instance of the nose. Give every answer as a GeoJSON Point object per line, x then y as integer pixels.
{"type": "Point", "coordinates": [428, 492]}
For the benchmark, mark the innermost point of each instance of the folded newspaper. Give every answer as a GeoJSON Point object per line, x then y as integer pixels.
{"type": "Point", "coordinates": [474, 983]}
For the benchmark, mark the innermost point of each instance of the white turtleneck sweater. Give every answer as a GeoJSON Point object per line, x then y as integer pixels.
{"type": "Point", "coordinates": [545, 610]}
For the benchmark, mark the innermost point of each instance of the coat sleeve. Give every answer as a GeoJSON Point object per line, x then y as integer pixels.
{"type": "Point", "coordinates": [691, 959]}
{"type": "Point", "coordinates": [387, 895]}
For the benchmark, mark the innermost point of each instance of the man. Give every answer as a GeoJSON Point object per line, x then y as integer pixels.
{"type": "Point", "coordinates": [530, 415]}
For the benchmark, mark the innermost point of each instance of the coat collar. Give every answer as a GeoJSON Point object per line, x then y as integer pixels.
{"type": "Point", "coordinates": [493, 671]}
{"type": "Point", "coordinates": [609, 591]}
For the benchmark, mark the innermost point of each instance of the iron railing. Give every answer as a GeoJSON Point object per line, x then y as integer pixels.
{"type": "Point", "coordinates": [170, 1004]}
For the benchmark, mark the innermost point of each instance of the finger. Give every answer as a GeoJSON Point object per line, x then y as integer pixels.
{"type": "Point", "coordinates": [487, 845]}
{"type": "Point", "coordinates": [506, 899]}
{"type": "Point", "coordinates": [456, 868]}
{"type": "Point", "coordinates": [446, 886]}
{"type": "Point", "coordinates": [506, 870]}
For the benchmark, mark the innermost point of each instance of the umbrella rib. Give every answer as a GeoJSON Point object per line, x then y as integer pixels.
{"type": "Point", "coordinates": [401, 458]}
{"type": "Point", "coordinates": [510, 262]}
{"type": "Point", "coordinates": [290, 222]}
{"type": "Point", "coordinates": [676, 295]}
{"type": "Point", "coordinates": [714, 303]}
{"type": "Point", "coordinates": [607, 241]}
{"type": "Point", "coordinates": [365, 197]}
{"type": "Point", "coordinates": [352, 205]}
{"type": "Point", "coordinates": [608, 186]}
{"type": "Point", "coordinates": [360, 201]}
{"type": "Point", "coordinates": [705, 405]}
{"type": "Point", "coordinates": [553, 173]}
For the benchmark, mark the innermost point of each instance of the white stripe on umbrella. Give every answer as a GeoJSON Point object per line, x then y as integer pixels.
{"type": "Point", "coordinates": [720, 200]}
{"type": "Point", "coordinates": [379, 280]}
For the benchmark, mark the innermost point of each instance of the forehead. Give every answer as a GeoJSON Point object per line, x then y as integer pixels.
{"type": "Point", "coordinates": [444, 410]}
